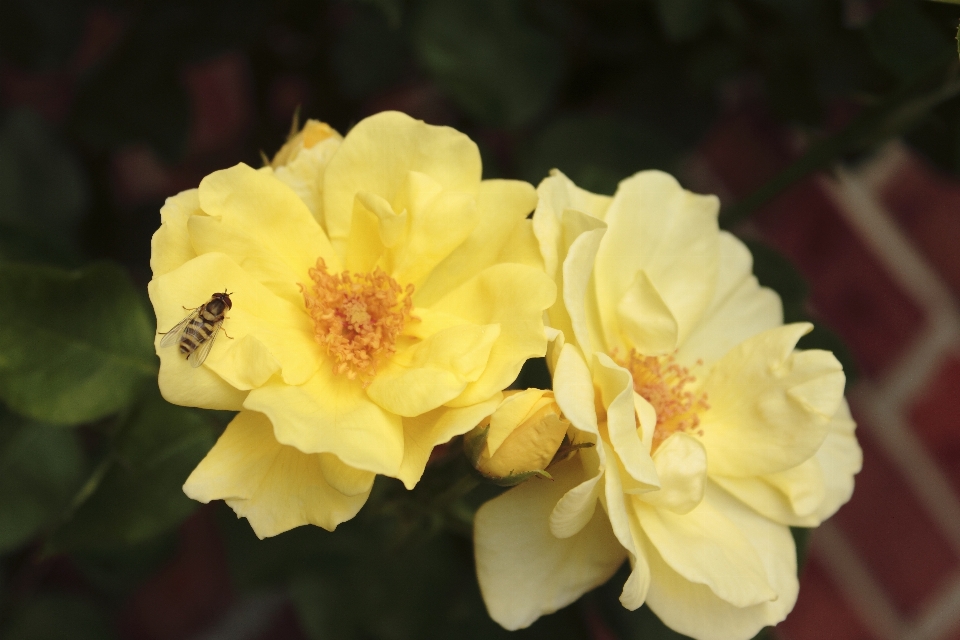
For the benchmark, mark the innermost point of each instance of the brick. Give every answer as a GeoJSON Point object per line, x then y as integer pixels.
{"type": "Point", "coordinates": [821, 611]}
{"type": "Point", "coordinates": [934, 414]}
{"type": "Point", "coordinates": [925, 203]}
{"type": "Point", "coordinates": [895, 537]}
{"type": "Point", "coordinates": [850, 289]}
{"type": "Point", "coordinates": [186, 596]}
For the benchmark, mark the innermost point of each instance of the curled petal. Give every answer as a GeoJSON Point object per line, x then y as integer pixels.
{"type": "Point", "coordinates": [524, 570]}
{"type": "Point", "coordinates": [275, 487]}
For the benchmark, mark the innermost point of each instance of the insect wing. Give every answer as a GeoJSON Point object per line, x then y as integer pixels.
{"type": "Point", "coordinates": [173, 336]}
{"type": "Point", "coordinates": [200, 354]}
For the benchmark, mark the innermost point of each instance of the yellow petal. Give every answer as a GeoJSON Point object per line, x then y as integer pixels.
{"type": "Point", "coordinates": [670, 233]}
{"type": "Point", "coordinates": [263, 226]}
{"type": "Point", "coordinates": [331, 414]}
{"type": "Point", "coordinates": [501, 234]}
{"type": "Point", "coordinates": [379, 152]}
{"type": "Point", "coordinates": [422, 433]}
{"type": "Point", "coordinates": [440, 221]}
{"type": "Point", "coordinates": [374, 225]}
{"type": "Point", "coordinates": [558, 194]}
{"type": "Point", "coordinates": [280, 333]}
{"type": "Point", "coordinates": [524, 571]}
{"type": "Point", "coordinates": [171, 246]}
{"type": "Point", "coordinates": [694, 610]}
{"type": "Point", "coordinates": [513, 296]}
{"type": "Point", "coordinates": [510, 414]}
{"type": "Point", "coordinates": [275, 487]}
{"type": "Point", "coordinates": [741, 308]}
{"type": "Point", "coordinates": [529, 448]}
{"type": "Point", "coordinates": [769, 405]}
{"type": "Point", "coordinates": [181, 384]}
{"type": "Point", "coordinates": [426, 375]}
{"type": "Point", "coordinates": [706, 547]}
{"type": "Point", "coordinates": [304, 173]}
{"type": "Point", "coordinates": [344, 478]}
{"type": "Point", "coordinates": [616, 391]}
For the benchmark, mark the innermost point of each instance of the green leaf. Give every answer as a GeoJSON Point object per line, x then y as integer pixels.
{"type": "Point", "coordinates": [43, 191]}
{"type": "Point", "coordinates": [41, 467]}
{"type": "Point", "coordinates": [683, 20]}
{"type": "Point", "coordinates": [55, 617]}
{"type": "Point", "coordinates": [140, 494]}
{"type": "Point", "coordinates": [75, 346]}
{"type": "Point", "coordinates": [497, 67]}
{"type": "Point", "coordinates": [596, 152]}
{"type": "Point", "coordinates": [903, 39]}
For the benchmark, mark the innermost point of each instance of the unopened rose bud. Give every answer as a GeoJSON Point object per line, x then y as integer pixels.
{"type": "Point", "coordinates": [313, 132]}
{"type": "Point", "coordinates": [520, 438]}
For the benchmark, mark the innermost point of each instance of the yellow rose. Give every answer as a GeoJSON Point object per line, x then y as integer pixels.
{"type": "Point", "coordinates": [364, 331]}
{"type": "Point", "coordinates": [520, 439]}
{"type": "Point", "coordinates": [713, 434]}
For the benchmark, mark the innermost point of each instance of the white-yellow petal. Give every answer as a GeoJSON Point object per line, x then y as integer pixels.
{"type": "Point", "coordinates": [275, 487]}
{"type": "Point", "coordinates": [574, 390]}
{"type": "Point", "coordinates": [741, 308]}
{"type": "Point", "coordinates": [681, 463]}
{"type": "Point", "coordinates": [672, 234]}
{"type": "Point", "coordinates": [694, 610]}
{"type": "Point", "coordinates": [524, 570]}
{"type": "Point", "coordinates": [769, 405]}
{"type": "Point", "coordinates": [616, 392]}
{"type": "Point", "coordinates": [304, 174]}
{"type": "Point", "coordinates": [706, 547]}
{"type": "Point", "coordinates": [557, 194]}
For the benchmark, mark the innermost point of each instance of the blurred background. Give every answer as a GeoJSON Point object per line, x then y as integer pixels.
{"type": "Point", "coordinates": [829, 128]}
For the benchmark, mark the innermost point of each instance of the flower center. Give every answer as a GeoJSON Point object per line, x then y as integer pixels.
{"type": "Point", "coordinates": [664, 384]}
{"type": "Point", "coordinates": [357, 317]}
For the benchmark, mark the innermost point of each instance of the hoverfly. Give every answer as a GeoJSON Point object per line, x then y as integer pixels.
{"type": "Point", "coordinates": [196, 333]}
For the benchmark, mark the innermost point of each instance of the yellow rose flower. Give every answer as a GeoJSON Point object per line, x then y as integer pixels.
{"type": "Point", "coordinates": [520, 439]}
{"type": "Point", "coordinates": [713, 434]}
{"type": "Point", "coordinates": [367, 327]}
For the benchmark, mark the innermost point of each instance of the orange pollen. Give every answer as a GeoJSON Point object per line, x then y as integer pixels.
{"type": "Point", "coordinates": [664, 384]}
{"type": "Point", "coordinates": [357, 317]}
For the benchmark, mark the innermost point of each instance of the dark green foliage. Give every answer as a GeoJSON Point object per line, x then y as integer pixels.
{"type": "Point", "coordinates": [74, 345]}
{"type": "Point", "coordinates": [143, 470]}
{"type": "Point", "coordinates": [497, 66]}
{"type": "Point", "coordinates": [41, 468]}
{"type": "Point", "coordinates": [55, 617]}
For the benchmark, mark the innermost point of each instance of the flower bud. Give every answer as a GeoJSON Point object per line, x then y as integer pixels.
{"type": "Point", "coordinates": [520, 438]}
{"type": "Point", "coordinates": [313, 132]}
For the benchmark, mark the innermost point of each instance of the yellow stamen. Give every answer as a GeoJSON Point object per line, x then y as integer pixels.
{"type": "Point", "coordinates": [357, 317]}
{"type": "Point", "coordinates": [663, 383]}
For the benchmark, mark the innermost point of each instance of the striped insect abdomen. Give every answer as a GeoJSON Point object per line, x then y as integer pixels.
{"type": "Point", "coordinates": [201, 328]}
